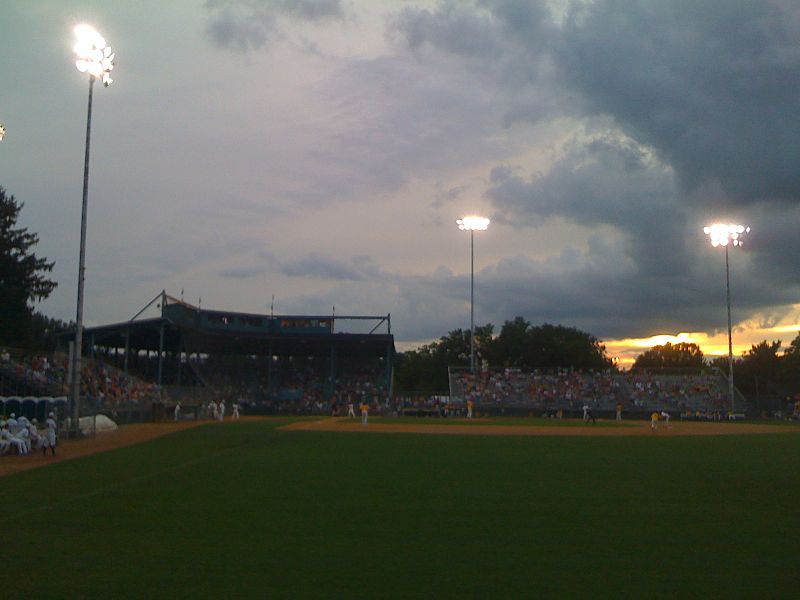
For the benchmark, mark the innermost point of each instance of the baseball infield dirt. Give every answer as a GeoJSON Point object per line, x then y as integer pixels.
{"type": "Point", "coordinates": [484, 427]}
{"type": "Point", "coordinates": [109, 440]}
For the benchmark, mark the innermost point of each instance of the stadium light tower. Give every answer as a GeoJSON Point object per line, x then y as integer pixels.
{"type": "Point", "coordinates": [472, 223]}
{"type": "Point", "coordinates": [95, 58]}
{"type": "Point", "coordinates": [727, 234]}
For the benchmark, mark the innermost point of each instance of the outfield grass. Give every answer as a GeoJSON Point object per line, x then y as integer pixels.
{"type": "Point", "coordinates": [235, 509]}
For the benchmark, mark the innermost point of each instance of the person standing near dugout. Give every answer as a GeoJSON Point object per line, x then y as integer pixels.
{"type": "Point", "coordinates": [50, 436]}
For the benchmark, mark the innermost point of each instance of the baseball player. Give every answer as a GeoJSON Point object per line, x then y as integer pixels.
{"type": "Point", "coordinates": [665, 415]}
{"type": "Point", "coordinates": [12, 423]}
{"type": "Point", "coordinates": [350, 410]}
{"type": "Point", "coordinates": [21, 440]}
{"type": "Point", "coordinates": [470, 404]}
{"type": "Point", "coordinates": [364, 413]}
{"type": "Point", "coordinates": [235, 414]}
{"type": "Point", "coordinates": [52, 427]}
{"type": "Point", "coordinates": [654, 421]}
{"type": "Point", "coordinates": [5, 439]}
{"type": "Point", "coordinates": [222, 410]}
{"type": "Point", "coordinates": [178, 411]}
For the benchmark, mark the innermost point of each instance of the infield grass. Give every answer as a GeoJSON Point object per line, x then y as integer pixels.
{"type": "Point", "coordinates": [245, 509]}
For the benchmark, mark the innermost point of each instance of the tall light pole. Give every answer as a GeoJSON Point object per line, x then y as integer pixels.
{"type": "Point", "coordinates": [95, 58]}
{"type": "Point", "coordinates": [727, 234]}
{"type": "Point", "coordinates": [472, 223]}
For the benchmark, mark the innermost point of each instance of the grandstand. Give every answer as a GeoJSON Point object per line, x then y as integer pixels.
{"type": "Point", "coordinates": [267, 363]}
{"type": "Point", "coordinates": [516, 391]}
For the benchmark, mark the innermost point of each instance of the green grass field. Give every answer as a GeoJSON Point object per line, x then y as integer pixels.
{"type": "Point", "coordinates": [244, 509]}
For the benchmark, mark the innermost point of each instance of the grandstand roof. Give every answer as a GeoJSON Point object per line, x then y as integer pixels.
{"type": "Point", "coordinates": [190, 329]}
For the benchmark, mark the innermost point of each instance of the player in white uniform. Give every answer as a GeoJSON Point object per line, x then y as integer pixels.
{"type": "Point", "coordinates": [52, 427]}
{"type": "Point", "coordinates": [5, 439]}
{"type": "Point", "coordinates": [178, 411]}
{"type": "Point", "coordinates": [235, 414]}
{"type": "Point", "coordinates": [214, 410]}
{"type": "Point", "coordinates": [350, 410]}
{"type": "Point", "coordinates": [22, 441]}
{"type": "Point", "coordinates": [35, 438]}
{"type": "Point", "coordinates": [12, 423]}
{"type": "Point", "coordinates": [221, 410]}
{"type": "Point", "coordinates": [665, 414]}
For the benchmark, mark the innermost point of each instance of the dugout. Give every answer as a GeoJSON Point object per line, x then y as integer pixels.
{"type": "Point", "coordinates": [181, 330]}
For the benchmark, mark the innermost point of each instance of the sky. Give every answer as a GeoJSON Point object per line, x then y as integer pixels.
{"type": "Point", "coordinates": [320, 151]}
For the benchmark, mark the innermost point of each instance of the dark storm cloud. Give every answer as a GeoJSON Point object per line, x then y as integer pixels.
{"type": "Point", "coordinates": [250, 24]}
{"type": "Point", "coordinates": [713, 85]}
{"type": "Point", "coordinates": [690, 110]}
{"type": "Point", "coordinates": [604, 181]}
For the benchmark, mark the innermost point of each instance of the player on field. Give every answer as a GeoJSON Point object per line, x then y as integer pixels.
{"type": "Point", "coordinates": [654, 421]}
{"type": "Point", "coordinates": [665, 415]}
{"type": "Point", "coordinates": [52, 427]}
{"type": "Point", "coordinates": [364, 413]}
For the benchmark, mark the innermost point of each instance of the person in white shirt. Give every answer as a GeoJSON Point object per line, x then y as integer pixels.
{"type": "Point", "coordinates": [178, 411]}
{"type": "Point", "coordinates": [221, 410]}
{"type": "Point", "coordinates": [12, 423]}
{"type": "Point", "coordinates": [665, 414]}
{"type": "Point", "coordinates": [235, 414]}
{"type": "Point", "coordinates": [5, 439]}
{"type": "Point", "coordinates": [22, 441]}
{"type": "Point", "coordinates": [52, 427]}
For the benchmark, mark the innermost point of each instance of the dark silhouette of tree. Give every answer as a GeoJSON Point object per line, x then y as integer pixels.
{"type": "Point", "coordinates": [23, 278]}
{"type": "Point", "coordinates": [519, 344]}
{"type": "Point", "coordinates": [671, 356]}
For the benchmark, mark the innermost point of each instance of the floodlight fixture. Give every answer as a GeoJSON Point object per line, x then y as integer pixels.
{"type": "Point", "coordinates": [2, 132]}
{"type": "Point", "coordinates": [725, 235]}
{"type": "Point", "coordinates": [95, 57]}
{"type": "Point", "coordinates": [722, 234]}
{"type": "Point", "coordinates": [472, 223]}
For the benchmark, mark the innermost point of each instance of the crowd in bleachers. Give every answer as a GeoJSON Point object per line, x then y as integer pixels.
{"type": "Point", "coordinates": [102, 386]}
{"type": "Point", "coordinates": [293, 386]}
{"type": "Point", "coordinates": [562, 388]}
{"type": "Point", "coordinates": [602, 390]}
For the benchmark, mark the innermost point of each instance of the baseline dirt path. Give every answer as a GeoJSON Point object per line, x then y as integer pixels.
{"type": "Point", "coordinates": [126, 435]}
{"type": "Point", "coordinates": [628, 428]}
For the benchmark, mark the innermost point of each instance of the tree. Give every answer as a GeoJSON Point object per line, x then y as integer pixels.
{"type": "Point", "coordinates": [546, 346]}
{"type": "Point", "coordinates": [425, 369]}
{"type": "Point", "coordinates": [23, 275]}
{"type": "Point", "coordinates": [670, 356]}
